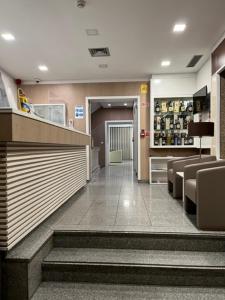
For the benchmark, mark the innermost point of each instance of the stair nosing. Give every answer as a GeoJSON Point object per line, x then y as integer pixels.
{"type": "Point", "coordinates": [164, 266]}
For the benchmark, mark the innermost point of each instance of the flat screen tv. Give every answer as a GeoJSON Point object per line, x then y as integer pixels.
{"type": "Point", "coordinates": [201, 101]}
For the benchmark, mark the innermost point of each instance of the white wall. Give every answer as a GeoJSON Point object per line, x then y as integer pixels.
{"type": "Point", "coordinates": [203, 76]}
{"type": "Point", "coordinates": [173, 85]}
{"type": "Point", "coordinates": [10, 88]}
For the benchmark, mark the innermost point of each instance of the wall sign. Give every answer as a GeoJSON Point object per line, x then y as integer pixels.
{"type": "Point", "coordinates": [144, 89]}
{"type": "Point", "coordinates": [79, 112]}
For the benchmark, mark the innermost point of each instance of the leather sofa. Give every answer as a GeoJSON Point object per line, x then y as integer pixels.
{"type": "Point", "coordinates": [204, 194]}
{"type": "Point", "coordinates": [175, 182]}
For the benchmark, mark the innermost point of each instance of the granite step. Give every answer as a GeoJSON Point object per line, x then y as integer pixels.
{"type": "Point", "coordinates": [210, 242]}
{"type": "Point", "coordinates": [129, 266]}
{"type": "Point", "coordinates": [81, 291]}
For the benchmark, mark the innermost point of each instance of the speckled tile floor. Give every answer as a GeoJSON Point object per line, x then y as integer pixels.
{"type": "Point", "coordinates": [114, 200]}
{"type": "Point", "coordinates": [71, 291]}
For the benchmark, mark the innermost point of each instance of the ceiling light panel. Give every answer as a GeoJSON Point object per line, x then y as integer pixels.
{"type": "Point", "coordinates": [8, 36]}
{"type": "Point", "coordinates": [165, 63]}
{"type": "Point", "coordinates": [43, 68]}
{"type": "Point", "coordinates": [179, 27]}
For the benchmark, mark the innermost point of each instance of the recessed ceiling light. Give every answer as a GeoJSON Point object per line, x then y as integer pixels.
{"type": "Point", "coordinates": [157, 81]}
{"type": "Point", "coordinates": [43, 68]}
{"type": "Point", "coordinates": [179, 27]}
{"type": "Point", "coordinates": [109, 105]}
{"type": "Point", "coordinates": [92, 32]}
{"type": "Point", "coordinates": [125, 104]}
{"type": "Point", "coordinates": [103, 66]}
{"type": "Point", "coordinates": [165, 63]}
{"type": "Point", "coordinates": [8, 36]}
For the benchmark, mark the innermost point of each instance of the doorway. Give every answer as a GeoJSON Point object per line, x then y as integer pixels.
{"type": "Point", "coordinates": [119, 103]}
{"type": "Point", "coordinates": [119, 142]}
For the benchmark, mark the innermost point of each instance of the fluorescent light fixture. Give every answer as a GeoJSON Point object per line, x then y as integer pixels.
{"type": "Point", "coordinates": [179, 27]}
{"type": "Point", "coordinates": [125, 104]}
{"type": "Point", "coordinates": [92, 32]}
{"type": "Point", "coordinates": [109, 104]}
{"type": "Point", "coordinates": [165, 63]}
{"type": "Point", "coordinates": [8, 36]}
{"type": "Point", "coordinates": [157, 81]}
{"type": "Point", "coordinates": [43, 68]}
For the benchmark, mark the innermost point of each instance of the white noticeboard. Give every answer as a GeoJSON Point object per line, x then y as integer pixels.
{"type": "Point", "coordinates": [79, 112]}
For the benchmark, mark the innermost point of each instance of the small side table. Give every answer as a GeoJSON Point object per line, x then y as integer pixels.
{"type": "Point", "coordinates": [181, 174]}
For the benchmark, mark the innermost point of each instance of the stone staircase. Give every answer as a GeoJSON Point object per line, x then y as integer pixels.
{"type": "Point", "coordinates": [162, 259]}
{"type": "Point", "coordinates": [172, 262]}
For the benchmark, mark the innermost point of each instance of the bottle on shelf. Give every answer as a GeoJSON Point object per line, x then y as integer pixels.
{"type": "Point", "coordinates": [172, 140]}
{"type": "Point", "coordinates": [158, 123]}
{"type": "Point", "coordinates": [189, 108]}
{"type": "Point", "coordinates": [163, 139]}
{"type": "Point", "coordinates": [182, 106]}
{"type": "Point", "coordinates": [163, 125]}
{"type": "Point", "coordinates": [167, 123]}
{"type": "Point", "coordinates": [170, 108]}
{"type": "Point", "coordinates": [168, 139]}
{"type": "Point", "coordinates": [157, 107]}
{"type": "Point", "coordinates": [186, 142]}
{"type": "Point", "coordinates": [190, 140]}
{"type": "Point", "coordinates": [156, 139]}
{"type": "Point", "coordinates": [178, 127]}
{"type": "Point", "coordinates": [171, 124]}
{"type": "Point", "coordinates": [179, 142]}
{"type": "Point", "coordinates": [185, 123]}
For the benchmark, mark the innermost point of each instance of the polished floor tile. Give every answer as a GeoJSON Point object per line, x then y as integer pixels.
{"type": "Point", "coordinates": [114, 200]}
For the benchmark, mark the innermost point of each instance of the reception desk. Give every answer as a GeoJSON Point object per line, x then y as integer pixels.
{"type": "Point", "coordinates": [41, 166]}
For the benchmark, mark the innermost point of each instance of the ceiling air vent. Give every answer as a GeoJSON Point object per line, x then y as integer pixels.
{"type": "Point", "coordinates": [99, 52]}
{"type": "Point", "coordinates": [193, 62]}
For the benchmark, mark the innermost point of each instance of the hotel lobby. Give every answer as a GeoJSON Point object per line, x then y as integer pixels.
{"type": "Point", "coordinates": [112, 149]}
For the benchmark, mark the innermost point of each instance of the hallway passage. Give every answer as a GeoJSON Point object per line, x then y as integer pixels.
{"type": "Point", "coordinates": [114, 200]}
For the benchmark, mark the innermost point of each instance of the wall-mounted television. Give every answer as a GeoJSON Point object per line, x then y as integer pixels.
{"type": "Point", "coordinates": [201, 101]}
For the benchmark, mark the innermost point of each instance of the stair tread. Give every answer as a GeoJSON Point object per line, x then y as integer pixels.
{"type": "Point", "coordinates": [80, 291]}
{"type": "Point", "coordinates": [136, 257]}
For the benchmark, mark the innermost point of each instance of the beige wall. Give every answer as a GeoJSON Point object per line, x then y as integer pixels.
{"type": "Point", "coordinates": [73, 94]}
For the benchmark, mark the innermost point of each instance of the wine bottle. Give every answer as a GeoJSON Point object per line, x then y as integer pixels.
{"type": "Point", "coordinates": [170, 109]}
{"type": "Point", "coordinates": [178, 140]}
{"type": "Point", "coordinates": [156, 139]}
{"type": "Point", "coordinates": [190, 108]}
{"type": "Point", "coordinates": [178, 125]}
{"type": "Point", "coordinates": [172, 140]}
{"type": "Point", "coordinates": [162, 124]}
{"type": "Point", "coordinates": [157, 107]}
{"type": "Point", "coordinates": [163, 139]}
{"type": "Point", "coordinates": [190, 140]}
{"type": "Point", "coordinates": [175, 139]}
{"type": "Point", "coordinates": [182, 106]}
{"type": "Point", "coordinates": [171, 124]}
{"type": "Point", "coordinates": [185, 124]}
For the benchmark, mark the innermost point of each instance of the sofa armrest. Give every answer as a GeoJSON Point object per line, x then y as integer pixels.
{"type": "Point", "coordinates": [211, 198]}
{"type": "Point", "coordinates": [178, 166]}
{"type": "Point", "coordinates": [171, 161]}
{"type": "Point", "coordinates": [190, 171]}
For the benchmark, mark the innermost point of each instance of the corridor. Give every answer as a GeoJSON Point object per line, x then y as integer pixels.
{"type": "Point", "coordinates": [114, 200]}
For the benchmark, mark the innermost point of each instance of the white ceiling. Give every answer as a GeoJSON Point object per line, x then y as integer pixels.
{"type": "Point", "coordinates": [138, 33]}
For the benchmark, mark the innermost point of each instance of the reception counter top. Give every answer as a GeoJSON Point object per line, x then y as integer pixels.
{"type": "Point", "coordinates": [16, 126]}
{"type": "Point", "coordinates": [42, 165]}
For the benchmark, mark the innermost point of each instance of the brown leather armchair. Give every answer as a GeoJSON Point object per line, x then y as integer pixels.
{"type": "Point", "coordinates": [175, 182]}
{"type": "Point", "coordinates": [204, 194]}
